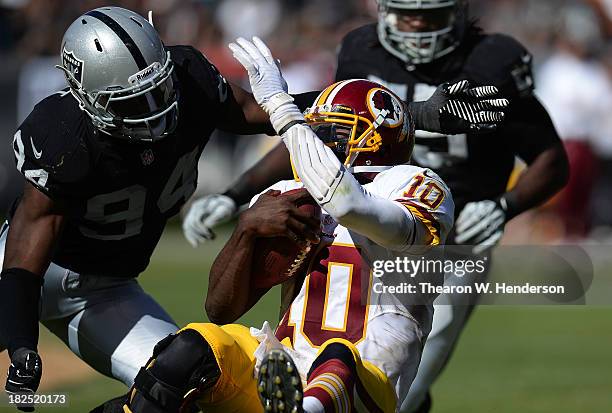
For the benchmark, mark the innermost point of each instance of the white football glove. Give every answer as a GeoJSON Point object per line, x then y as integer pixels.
{"type": "Point", "coordinates": [264, 73]}
{"type": "Point", "coordinates": [338, 192]}
{"type": "Point", "coordinates": [481, 224]}
{"type": "Point", "coordinates": [205, 214]}
{"type": "Point", "coordinates": [318, 168]}
{"type": "Point", "coordinates": [267, 82]}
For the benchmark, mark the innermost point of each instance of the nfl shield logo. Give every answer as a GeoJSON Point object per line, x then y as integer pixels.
{"type": "Point", "coordinates": [147, 157]}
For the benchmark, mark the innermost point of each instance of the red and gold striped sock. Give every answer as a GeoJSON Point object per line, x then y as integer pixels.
{"type": "Point", "coordinates": [330, 388]}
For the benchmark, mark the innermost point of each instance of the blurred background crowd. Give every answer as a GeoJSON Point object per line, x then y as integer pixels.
{"type": "Point", "coordinates": [570, 40]}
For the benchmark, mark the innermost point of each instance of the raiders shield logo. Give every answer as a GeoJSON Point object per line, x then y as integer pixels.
{"type": "Point", "coordinates": [73, 65]}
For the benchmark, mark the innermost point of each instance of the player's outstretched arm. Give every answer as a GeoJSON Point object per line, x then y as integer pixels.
{"type": "Point", "coordinates": [243, 115]}
{"type": "Point", "coordinates": [33, 232]}
{"type": "Point", "coordinates": [457, 108]}
{"type": "Point", "coordinates": [230, 291]}
{"type": "Point", "coordinates": [330, 184]}
{"type": "Point", "coordinates": [267, 82]}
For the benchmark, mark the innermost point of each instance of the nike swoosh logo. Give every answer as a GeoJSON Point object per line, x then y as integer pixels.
{"type": "Point", "coordinates": [37, 154]}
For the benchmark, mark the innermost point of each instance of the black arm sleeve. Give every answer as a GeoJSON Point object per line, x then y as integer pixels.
{"type": "Point", "coordinates": [19, 289]}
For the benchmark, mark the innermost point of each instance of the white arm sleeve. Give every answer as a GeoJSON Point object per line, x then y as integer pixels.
{"type": "Point", "coordinates": [337, 191]}
{"type": "Point", "coordinates": [381, 220]}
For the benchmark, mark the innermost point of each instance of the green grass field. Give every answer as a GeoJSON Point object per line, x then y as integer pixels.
{"type": "Point", "coordinates": [510, 359]}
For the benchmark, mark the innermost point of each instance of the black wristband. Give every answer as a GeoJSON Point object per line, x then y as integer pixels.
{"type": "Point", "coordinates": [19, 309]}
{"type": "Point", "coordinates": [509, 204]}
{"type": "Point", "coordinates": [233, 193]}
{"type": "Point", "coordinates": [289, 126]}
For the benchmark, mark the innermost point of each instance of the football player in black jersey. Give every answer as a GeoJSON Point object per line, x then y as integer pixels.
{"type": "Point", "coordinates": [106, 163]}
{"type": "Point", "coordinates": [415, 47]}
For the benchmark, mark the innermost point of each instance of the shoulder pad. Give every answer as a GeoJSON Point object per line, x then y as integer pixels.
{"type": "Point", "coordinates": [51, 144]}
{"type": "Point", "coordinates": [181, 54]}
{"type": "Point", "coordinates": [398, 177]}
{"type": "Point", "coordinates": [425, 195]}
{"type": "Point", "coordinates": [360, 37]}
{"type": "Point", "coordinates": [360, 54]}
{"type": "Point", "coordinates": [196, 70]}
{"type": "Point", "coordinates": [501, 61]}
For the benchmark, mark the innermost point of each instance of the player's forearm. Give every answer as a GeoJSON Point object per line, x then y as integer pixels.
{"type": "Point", "coordinates": [31, 241]}
{"type": "Point", "coordinates": [243, 115]}
{"type": "Point", "coordinates": [546, 176]}
{"type": "Point", "coordinates": [380, 220]}
{"type": "Point", "coordinates": [229, 293]}
{"type": "Point", "coordinates": [32, 236]}
{"type": "Point", "coordinates": [272, 168]}
{"type": "Point", "coordinates": [34, 231]}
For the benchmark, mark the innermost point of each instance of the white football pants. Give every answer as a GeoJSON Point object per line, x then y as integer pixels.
{"type": "Point", "coordinates": [451, 313]}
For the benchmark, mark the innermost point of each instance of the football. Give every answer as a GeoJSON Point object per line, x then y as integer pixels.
{"type": "Point", "coordinates": [277, 259]}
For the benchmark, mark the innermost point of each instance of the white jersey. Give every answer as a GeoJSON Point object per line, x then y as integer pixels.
{"type": "Point", "coordinates": [338, 297]}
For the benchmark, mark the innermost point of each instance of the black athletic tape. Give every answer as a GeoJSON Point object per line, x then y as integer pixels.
{"type": "Point", "coordinates": [289, 126]}
{"type": "Point", "coordinates": [123, 35]}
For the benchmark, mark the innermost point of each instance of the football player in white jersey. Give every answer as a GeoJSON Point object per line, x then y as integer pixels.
{"type": "Point", "coordinates": [343, 345]}
{"type": "Point", "coordinates": [354, 346]}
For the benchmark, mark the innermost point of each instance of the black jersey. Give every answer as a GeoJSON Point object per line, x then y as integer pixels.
{"type": "Point", "coordinates": [118, 195]}
{"type": "Point", "coordinates": [475, 167]}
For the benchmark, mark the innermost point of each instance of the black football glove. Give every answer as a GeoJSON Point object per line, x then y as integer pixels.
{"type": "Point", "coordinates": [456, 108]}
{"type": "Point", "coordinates": [24, 374]}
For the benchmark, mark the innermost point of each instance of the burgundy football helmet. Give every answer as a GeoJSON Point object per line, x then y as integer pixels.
{"type": "Point", "coordinates": [368, 126]}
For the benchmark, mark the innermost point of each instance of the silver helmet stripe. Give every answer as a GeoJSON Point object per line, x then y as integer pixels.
{"type": "Point", "coordinates": [124, 81]}
{"type": "Point", "coordinates": [123, 35]}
